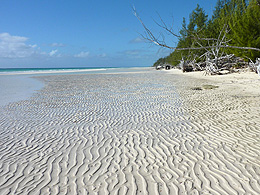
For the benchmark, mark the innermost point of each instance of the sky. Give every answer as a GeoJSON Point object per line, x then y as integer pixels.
{"type": "Point", "coordinates": [86, 33]}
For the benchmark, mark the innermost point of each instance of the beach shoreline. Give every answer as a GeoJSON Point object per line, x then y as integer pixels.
{"type": "Point", "coordinates": [21, 84]}
{"type": "Point", "coordinates": [148, 132]}
{"type": "Point", "coordinates": [243, 82]}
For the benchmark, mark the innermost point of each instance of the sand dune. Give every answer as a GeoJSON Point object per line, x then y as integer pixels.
{"type": "Point", "coordinates": [143, 133]}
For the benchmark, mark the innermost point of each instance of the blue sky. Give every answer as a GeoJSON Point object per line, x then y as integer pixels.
{"type": "Point", "coordinates": [85, 33]}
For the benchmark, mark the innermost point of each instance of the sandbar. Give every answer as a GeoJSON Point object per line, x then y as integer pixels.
{"type": "Point", "coordinates": [147, 132]}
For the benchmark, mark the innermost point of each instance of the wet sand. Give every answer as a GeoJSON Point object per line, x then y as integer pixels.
{"type": "Point", "coordinates": [140, 133]}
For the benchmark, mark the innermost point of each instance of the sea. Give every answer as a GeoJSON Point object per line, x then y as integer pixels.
{"type": "Point", "coordinates": [16, 71]}
{"type": "Point", "coordinates": [19, 83]}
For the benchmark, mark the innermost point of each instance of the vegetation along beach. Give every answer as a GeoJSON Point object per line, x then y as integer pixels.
{"type": "Point", "coordinates": [185, 121]}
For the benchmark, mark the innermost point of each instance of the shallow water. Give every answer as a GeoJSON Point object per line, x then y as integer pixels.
{"type": "Point", "coordinates": [17, 87]}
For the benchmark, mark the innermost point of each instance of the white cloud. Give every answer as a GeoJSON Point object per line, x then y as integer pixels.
{"type": "Point", "coordinates": [57, 45]}
{"type": "Point", "coordinates": [53, 52]}
{"type": "Point", "coordinates": [82, 54]}
{"type": "Point", "coordinates": [132, 52]}
{"type": "Point", "coordinates": [15, 46]}
{"type": "Point", "coordinates": [103, 55]}
{"type": "Point", "coordinates": [137, 40]}
{"type": "Point", "coordinates": [6, 37]}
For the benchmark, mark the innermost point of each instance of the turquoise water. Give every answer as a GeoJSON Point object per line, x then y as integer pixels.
{"type": "Point", "coordinates": [47, 70]}
{"type": "Point", "coordinates": [16, 83]}
{"type": "Point", "coordinates": [91, 70]}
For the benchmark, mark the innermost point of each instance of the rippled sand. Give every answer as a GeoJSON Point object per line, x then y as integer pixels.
{"type": "Point", "coordinates": [142, 133]}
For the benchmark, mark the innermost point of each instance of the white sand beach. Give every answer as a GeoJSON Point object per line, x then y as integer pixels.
{"type": "Point", "coordinates": [148, 132]}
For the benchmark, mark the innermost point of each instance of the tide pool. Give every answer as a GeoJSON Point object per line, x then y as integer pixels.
{"type": "Point", "coordinates": [17, 87]}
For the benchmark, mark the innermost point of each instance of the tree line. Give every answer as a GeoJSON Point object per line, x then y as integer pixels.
{"type": "Point", "coordinates": [234, 25]}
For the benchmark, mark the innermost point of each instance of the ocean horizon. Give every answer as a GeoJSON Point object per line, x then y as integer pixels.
{"type": "Point", "coordinates": [50, 68]}
{"type": "Point", "coordinates": [60, 70]}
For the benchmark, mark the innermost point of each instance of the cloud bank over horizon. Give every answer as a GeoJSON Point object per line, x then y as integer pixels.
{"type": "Point", "coordinates": [15, 46]}
{"type": "Point", "coordinates": [16, 51]}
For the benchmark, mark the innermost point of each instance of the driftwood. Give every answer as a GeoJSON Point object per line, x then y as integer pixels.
{"type": "Point", "coordinates": [165, 66]}
{"type": "Point", "coordinates": [217, 66]}
{"type": "Point", "coordinates": [185, 66]}
{"type": "Point", "coordinates": [256, 66]}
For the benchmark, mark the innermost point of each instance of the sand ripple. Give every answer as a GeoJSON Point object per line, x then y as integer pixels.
{"type": "Point", "coordinates": [129, 134]}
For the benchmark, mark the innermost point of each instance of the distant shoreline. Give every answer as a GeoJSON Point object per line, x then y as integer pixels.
{"type": "Point", "coordinates": [242, 83]}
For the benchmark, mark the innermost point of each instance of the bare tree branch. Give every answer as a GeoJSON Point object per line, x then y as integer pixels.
{"type": "Point", "coordinates": [220, 41]}
{"type": "Point", "coordinates": [165, 27]}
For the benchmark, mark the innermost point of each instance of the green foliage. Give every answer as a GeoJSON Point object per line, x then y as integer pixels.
{"type": "Point", "coordinates": [218, 9]}
{"type": "Point", "coordinates": [197, 22]}
{"type": "Point", "coordinates": [242, 18]}
{"type": "Point", "coordinates": [160, 61]}
{"type": "Point", "coordinates": [245, 29]}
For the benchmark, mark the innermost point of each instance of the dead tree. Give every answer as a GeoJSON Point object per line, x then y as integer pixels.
{"type": "Point", "coordinates": [258, 66]}
{"type": "Point", "coordinates": [255, 66]}
{"type": "Point", "coordinates": [212, 50]}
